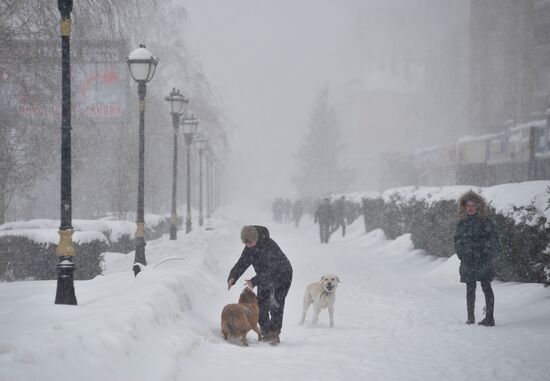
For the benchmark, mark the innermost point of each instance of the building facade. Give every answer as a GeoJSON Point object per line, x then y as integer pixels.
{"type": "Point", "coordinates": [510, 62]}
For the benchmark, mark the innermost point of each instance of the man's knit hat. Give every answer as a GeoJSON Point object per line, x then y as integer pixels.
{"type": "Point", "coordinates": [249, 234]}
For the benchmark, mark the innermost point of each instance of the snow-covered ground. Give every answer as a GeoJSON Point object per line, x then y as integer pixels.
{"type": "Point", "coordinates": [399, 316]}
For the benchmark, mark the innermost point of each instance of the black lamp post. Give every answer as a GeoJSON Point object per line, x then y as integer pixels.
{"type": "Point", "coordinates": [177, 103]}
{"type": "Point", "coordinates": [65, 249]}
{"type": "Point", "coordinates": [208, 182]}
{"type": "Point", "coordinates": [201, 142]}
{"type": "Point", "coordinates": [142, 67]}
{"type": "Point", "coordinates": [209, 157]}
{"type": "Point", "coordinates": [189, 128]}
{"type": "Point", "coordinates": [216, 195]}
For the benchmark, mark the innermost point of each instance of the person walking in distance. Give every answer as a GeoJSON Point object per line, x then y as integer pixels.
{"type": "Point", "coordinates": [476, 245]}
{"type": "Point", "coordinates": [340, 215]}
{"type": "Point", "coordinates": [324, 215]}
{"type": "Point", "coordinates": [297, 212]}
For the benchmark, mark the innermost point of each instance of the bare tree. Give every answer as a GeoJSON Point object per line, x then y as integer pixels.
{"type": "Point", "coordinates": [104, 154]}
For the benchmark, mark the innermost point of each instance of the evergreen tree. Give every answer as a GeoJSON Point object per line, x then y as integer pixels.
{"type": "Point", "coordinates": [319, 172]}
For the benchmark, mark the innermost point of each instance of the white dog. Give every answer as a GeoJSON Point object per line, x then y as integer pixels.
{"type": "Point", "coordinates": [321, 294]}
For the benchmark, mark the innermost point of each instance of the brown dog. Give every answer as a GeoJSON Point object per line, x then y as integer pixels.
{"type": "Point", "coordinates": [238, 319]}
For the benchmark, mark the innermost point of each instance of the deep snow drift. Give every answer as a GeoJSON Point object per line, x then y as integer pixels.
{"type": "Point", "coordinates": [399, 316]}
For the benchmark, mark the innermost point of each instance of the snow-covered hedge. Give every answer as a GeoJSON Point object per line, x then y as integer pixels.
{"type": "Point", "coordinates": [22, 257]}
{"type": "Point", "coordinates": [520, 212]}
{"type": "Point", "coordinates": [27, 248]}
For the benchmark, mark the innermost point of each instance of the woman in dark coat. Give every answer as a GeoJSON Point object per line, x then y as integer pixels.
{"type": "Point", "coordinates": [273, 278]}
{"type": "Point", "coordinates": [476, 245]}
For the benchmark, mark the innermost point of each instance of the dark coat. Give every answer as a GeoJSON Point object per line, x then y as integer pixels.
{"type": "Point", "coordinates": [271, 265]}
{"type": "Point", "coordinates": [476, 245]}
{"type": "Point", "coordinates": [339, 209]}
{"type": "Point", "coordinates": [324, 214]}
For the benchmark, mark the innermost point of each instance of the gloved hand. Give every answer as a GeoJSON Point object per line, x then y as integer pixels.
{"type": "Point", "coordinates": [230, 283]}
{"type": "Point", "coordinates": [248, 284]}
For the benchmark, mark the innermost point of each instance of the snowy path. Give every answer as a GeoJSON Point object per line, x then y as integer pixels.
{"type": "Point", "coordinates": [398, 317]}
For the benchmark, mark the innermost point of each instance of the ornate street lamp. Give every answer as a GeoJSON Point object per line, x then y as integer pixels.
{"type": "Point", "coordinates": [190, 126]}
{"type": "Point", "coordinates": [177, 104]}
{"type": "Point", "coordinates": [65, 249]}
{"type": "Point", "coordinates": [201, 142]}
{"type": "Point", "coordinates": [142, 67]}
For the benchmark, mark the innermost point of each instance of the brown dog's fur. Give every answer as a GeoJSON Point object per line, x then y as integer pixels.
{"type": "Point", "coordinates": [238, 319]}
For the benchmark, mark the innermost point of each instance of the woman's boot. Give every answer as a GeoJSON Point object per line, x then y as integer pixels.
{"type": "Point", "coordinates": [471, 302]}
{"type": "Point", "coordinates": [489, 320]}
{"type": "Point", "coordinates": [471, 316]}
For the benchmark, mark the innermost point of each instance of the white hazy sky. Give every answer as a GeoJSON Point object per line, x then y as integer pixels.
{"type": "Point", "coordinates": [268, 59]}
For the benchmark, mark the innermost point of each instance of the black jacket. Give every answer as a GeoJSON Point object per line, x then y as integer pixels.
{"type": "Point", "coordinates": [476, 245]}
{"type": "Point", "coordinates": [271, 265]}
{"type": "Point", "coordinates": [324, 214]}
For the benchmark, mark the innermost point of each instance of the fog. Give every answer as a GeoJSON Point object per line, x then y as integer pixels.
{"type": "Point", "coordinates": [396, 72]}
{"type": "Point", "coordinates": [268, 60]}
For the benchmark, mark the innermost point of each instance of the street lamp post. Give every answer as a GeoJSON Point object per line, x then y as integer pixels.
{"type": "Point", "coordinates": [189, 128]}
{"type": "Point", "coordinates": [213, 182]}
{"type": "Point", "coordinates": [142, 66]}
{"type": "Point", "coordinates": [208, 183]}
{"type": "Point", "coordinates": [201, 145]}
{"type": "Point", "coordinates": [217, 185]}
{"type": "Point", "coordinates": [177, 102]}
{"type": "Point", "coordinates": [65, 249]}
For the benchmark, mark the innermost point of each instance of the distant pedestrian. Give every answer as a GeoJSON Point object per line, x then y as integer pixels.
{"type": "Point", "coordinates": [353, 210]}
{"type": "Point", "coordinates": [340, 215]}
{"type": "Point", "coordinates": [277, 209]}
{"type": "Point", "coordinates": [287, 209]}
{"type": "Point", "coordinates": [297, 212]}
{"type": "Point", "coordinates": [476, 244]}
{"type": "Point", "coordinates": [324, 215]}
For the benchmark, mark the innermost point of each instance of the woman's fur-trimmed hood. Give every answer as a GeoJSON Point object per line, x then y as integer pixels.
{"type": "Point", "coordinates": [483, 210]}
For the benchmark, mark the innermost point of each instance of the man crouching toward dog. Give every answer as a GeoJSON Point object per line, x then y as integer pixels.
{"type": "Point", "coordinates": [273, 278]}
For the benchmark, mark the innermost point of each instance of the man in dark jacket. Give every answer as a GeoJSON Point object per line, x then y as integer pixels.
{"type": "Point", "coordinates": [476, 245]}
{"type": "Point", "coordinates": [340, 215]}
{"type": "Point", "coordinates": [273, 278]}
{"type": "Point", "coordinates": [297, 212]}
{"type": "Point", "coordinates": [324, 215]}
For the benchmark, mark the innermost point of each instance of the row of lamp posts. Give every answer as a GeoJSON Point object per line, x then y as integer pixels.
{"type": "Point", "coordinates": [142, 66]}
{"type": "Point", "coordinates": [178, 105]}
